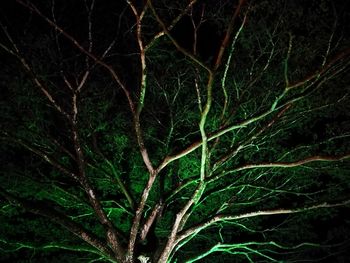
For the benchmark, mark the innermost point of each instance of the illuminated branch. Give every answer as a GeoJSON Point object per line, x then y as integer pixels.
{"type": "Point", "coordinates": [138, 216]}
{"type": "Point", "coordinates": [143, 85]}
{"type": "Point", "coordinates": [297, 163]}
{"type": "Point", "coordinates": [286, 61]}
{"type": "Point", "coordinates": [90, 11]}
{"type": "Point", "coordinates": [114, 75]}
{"type": "Point", "coordinates": [219, 218]}
{"type": "Point", "coordinates": [341, 56]}
{"type": "Point", "coordinates": [196, 27]}
{"type": "Point", "coordinates": [121, 184]}
{"type": "Point", "coordinates": [202, 122]}
{"type": "Point", "coordinates": [152, 173]}
{"type": "Point", "coordinates": [252, 138]}
{"type": "Point", "coordinates": [45, 157]}
{"type": "Point", "coordinates": [142, 55]}
{"type": "Point", "coordinates": [112, 233]}
{"type": "Point", "coordinates": [245, 123]}
{"type": "Point", "coordinates": [58, 218]}
{"type": "Point", "coordinates": [210, 83]}
{"type": "Point", "coordinates": [53, 245]}
{"type": "Point", "coordinates": [156, 212]}
{"type": "Point", "coordinates": [175, 43]}
{"type": "Point", "coordinates": [283, 164]}
{"type": "Point", "coordinates": [240, 248]}
{"type": "Point", "coordinates": [172, 24]}
{"type": "Point", "coordinates": [183, 215]}
{"type": "Point", "coordinates": [178, 223]}
{"type": "Point", "coordinates": [16, 52]}
{"type": "Point", "coordinates": [227, 65]}
{"type": "Point", "coordinates": [227, 37]}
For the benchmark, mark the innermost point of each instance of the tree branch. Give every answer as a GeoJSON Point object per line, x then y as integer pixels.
{"type": "Point", "coordinates": [112, 232]}
{"type": "Point", "coordinates": [341, 56]}
{"type": "Point", "coordinates": [228, 34]}
{"type": "Point", "coordinates": [297, 163]}
{"type": "Point", "coordinates": [172, 24]}
{"type": "Point", "coordinates": [175, 43]}
{"type": "Point", "coordinates": [221, 217]}
{"type": "Point", "coordinates": [45, 157]}
{"type": "Point", "coordinates": [16, 52]}
{"type": "Point", "coordinates": [58, 218]}
{"type": "Point", "coordinates": [114, 75]}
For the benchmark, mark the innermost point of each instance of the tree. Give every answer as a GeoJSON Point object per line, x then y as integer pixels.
{"type": "Point", "coordinates": [175, 131]}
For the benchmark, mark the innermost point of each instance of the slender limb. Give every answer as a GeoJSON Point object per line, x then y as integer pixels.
{"type": "Point", "coordinates": [172, 24]}
{"type": "Point", "coordinates": [75, 43]}
{"type": "Point", "coordinates": [152, 173]}
{"type": "Point", "coordinates": [282, 164]}
{"type": "Point", "coordinates": [235, 151]}
{"type": "Point", "coordinates": [227, 66]}
{"type": "Point", "coordinates": [286, 61]}
{"type": "Point", "coordinates": [112, 233]}
{"type": "Point", "coordinates": [58, 218]}
{"type": "Point", "coordinates": [196, 27]}
{"type": "Point", "coordinates": [338, 59]}
{"type": "Point", "coordinates": [45, 157]}
{"type": "Point", "coordinates": [315, 75]}
{"type": "Point", "coordinates": [183, 215]}
{"type": "Point", "coordinates": [218, 218]}
{"type": "Point", "coordinates": [175, 43]}
{"type": "Point", "coordinates": [228, 34]}
{"type": "Point", "coordinates": [16, 52]}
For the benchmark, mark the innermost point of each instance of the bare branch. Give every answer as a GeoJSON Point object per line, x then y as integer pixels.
{"type": "Point", "coordinates": [58, 218]}
{"type": "Point", "coordinates": [218, 218]}
{"type": "Point", "coordinates": [176, 44]}
{"type": "Point", "coordinates": [45, 157]}
{"type": "Point", "coordinates": [228, 34]}
{"type": "Point", "coordinates": [172, 24]}
{"type": "Point", "coordinates": [151, 220]}
{"type": "Point", "coordinates": [286, 78]}
{"type": "Point", "coordinates": [227, 65]}
{"type": "Point", "coordinates": [233, 153]}
{"type": "Point", "coordinates": [113, 73]}
{"type": "Point", "coordinates": [315, 75]}
{"type": "Point", "coordinates": [112, 233]}
{"type": "Point", "coordinates": [16, 52]}
{"type": "Point", "coordinates": [283, 164]}
{"type": "Point", "coordinates": [260, 116]}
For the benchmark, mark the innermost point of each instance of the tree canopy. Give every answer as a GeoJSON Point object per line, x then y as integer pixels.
{"type": "Point", "coordinates": [174, 131]}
